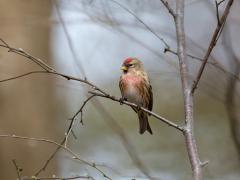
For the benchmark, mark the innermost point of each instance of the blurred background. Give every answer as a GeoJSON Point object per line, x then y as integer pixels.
{"type": "Point", "coordinates": [91, 38]}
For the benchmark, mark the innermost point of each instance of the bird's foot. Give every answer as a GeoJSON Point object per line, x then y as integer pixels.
{"type": "Point", "coordinates": [122, 99]}
{"type": "Point", "coordinates": [138, 107]}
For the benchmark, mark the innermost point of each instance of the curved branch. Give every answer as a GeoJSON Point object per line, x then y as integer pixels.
{"type": "Point", "coordinates": [74, 155]}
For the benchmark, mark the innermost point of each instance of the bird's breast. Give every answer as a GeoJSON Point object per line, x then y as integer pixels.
{"type": "Point", "coordinates": [131, 91]}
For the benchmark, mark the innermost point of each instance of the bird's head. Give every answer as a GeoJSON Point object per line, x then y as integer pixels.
{"type": "Point", "coordinates": [131, 64]}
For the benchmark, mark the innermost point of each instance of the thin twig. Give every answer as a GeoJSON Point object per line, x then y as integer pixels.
{"type": "Point", "coordinates": [170, 10]}
{"type": "Point", "coordinates": [57, 178]}
{"type": "Point", "coordinates": [75, 115]}
{"type": "Point", "coordinates": [215, 63]}
{"type": "Point", "coordinates": [68, 37]}
{"type": "Point", "coordinates": [18, 169]}
{"type": "Point", "coordinates": [212, 44]}
{"type": "Point", "coordinates": [189, 55]}
{"type": "Point", "coordinates": [27, 55]}
{"type": "Point", "coordinates": [141, 21]}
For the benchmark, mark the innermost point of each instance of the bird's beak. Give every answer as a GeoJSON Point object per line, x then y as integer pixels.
{"type": "Point", "coordinates": [124, 68]}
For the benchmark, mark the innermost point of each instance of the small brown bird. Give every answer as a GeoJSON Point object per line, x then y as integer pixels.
{"type": "Point", "coordinates": [135, 87]}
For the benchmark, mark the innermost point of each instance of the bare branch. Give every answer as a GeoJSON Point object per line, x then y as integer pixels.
{"type": "Point", "coordinates": [143, 23]}
{"type": "Point", "coordinates": [97, 92]}
{"type": "Point", "coordinates": [166, 121]}
{"type": "Point", "coordinates": [75, 115]}
{"type": "Point", "coordinates": [59, 178]}
{"type": "Point", "coordinates": [100, 93]}
{"type": "Point", "coordinates": [25, 54]}
{"type": "Point", "coordinates": [110, 120]}
{"type": "Point", "coordinates": [18, 169]}
{"type": "Point", "coordinates": [170, 10]}
{"type": "Point", "coordinates": [213, 43]}
{"type": "Point", "coordinates": [187, 95]}
{"type": "Point", "coordinates": [189, 55]}
{"type": "Point", "coordinates": [74, 155]}
{"type": "Point", "coordinates": [68, 38]}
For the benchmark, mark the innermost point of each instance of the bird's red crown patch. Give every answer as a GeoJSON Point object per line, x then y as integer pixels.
{"type": "Point", "coordinates": [128, 60]}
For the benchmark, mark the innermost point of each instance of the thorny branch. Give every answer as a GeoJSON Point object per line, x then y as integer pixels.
{"type": "Point", "coordinates": [213, 43]}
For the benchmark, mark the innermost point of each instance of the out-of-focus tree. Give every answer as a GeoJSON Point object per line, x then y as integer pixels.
{"type": "Point", "coordinates": [28, 106]}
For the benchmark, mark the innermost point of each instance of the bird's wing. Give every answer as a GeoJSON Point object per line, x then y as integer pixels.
{"type": "Point", "coordinates": [150, 105]}
{"type": "Point", "coordinates": [121, 85]}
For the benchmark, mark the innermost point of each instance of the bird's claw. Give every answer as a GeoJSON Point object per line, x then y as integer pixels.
{"type": "Point", "coordinates": [121, 100]}
{"type": "Point", "coordinates": [138, 108]}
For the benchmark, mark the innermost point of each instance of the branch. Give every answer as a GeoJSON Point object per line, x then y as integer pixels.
{"type": "Point", "coordinates": [175, 53]}
{"type": "Point", "coordinates": [143, 23]}
{"type": "Point", "coordinates": [98, 106]}
{"type": "Point", "coordinates": [59, 178]}
{"type": "Point", "coordinates": [23, 53]}
{"type": "Point", "coordinates": [166, 121]}
{"type": "Point", "coordinates": [75, 115]}
{"type": "Point", "coordinates": [68, 37]}
{"type": "Point", "coordinates": [217, 4]}
{"type": "Point", "coordinates": [74, 155]}
{"type": "Point", "coordinates": [213, 43]}
{"type": "Point", "coordinates": [170, 10]}
{"type": "Point", "coordinates": [46, 70]}
{"type": "Point", "coordinates": [100, 93]}
{"type": "Point", "coordinates": [187, 95]}
{"type": "Point", "coordinates": [18, 169]}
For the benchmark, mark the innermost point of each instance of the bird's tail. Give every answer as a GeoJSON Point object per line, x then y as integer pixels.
{"type": "Point", "coordinates": [143, 122]}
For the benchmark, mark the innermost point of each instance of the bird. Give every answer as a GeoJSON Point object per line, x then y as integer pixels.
{"type": "Point", "coordinates": [135, 87]}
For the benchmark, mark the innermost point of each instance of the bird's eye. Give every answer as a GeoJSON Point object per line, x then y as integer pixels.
{"type": "Point", "coordinates": [130, 65]}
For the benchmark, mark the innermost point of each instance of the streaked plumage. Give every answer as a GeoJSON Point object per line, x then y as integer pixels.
{"type": "Point", "coordinates": [135, 87]}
